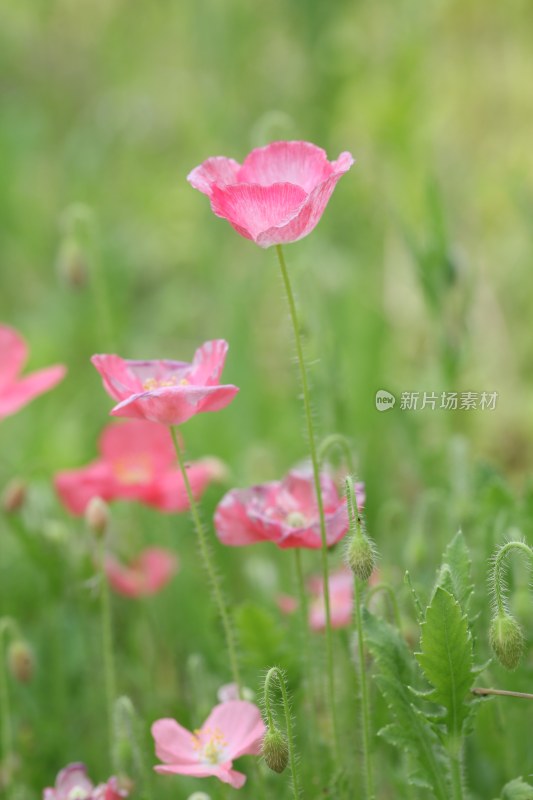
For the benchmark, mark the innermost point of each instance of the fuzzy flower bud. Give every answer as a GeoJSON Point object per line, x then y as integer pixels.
{"type": "Point", "coordinates": [14, 495]}
{"type": "Point", "coordinates": [21, 661]}
{"type": "Point", "coordinates": [360, 556]}
{"type": "Point", "coordinates": [97, 516]}
{"type": "Point", "coordinates": [275, 750]}
{"type": "Point", "coordinates": [507, 640]}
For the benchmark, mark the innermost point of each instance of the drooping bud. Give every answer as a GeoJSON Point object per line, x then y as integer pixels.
{"type": "Point", "coordinates": [275, 750]}
{"type": "Point", "coordinates": [14, 495]}
{"type": "Point", "coordinates": [507, 640]}
{"type": "Point", "coordinates": [360, 556]}
{"type": "Point", "coordinates": [97, 516]}
{"type": "Point", "coordinates": [21, 661]}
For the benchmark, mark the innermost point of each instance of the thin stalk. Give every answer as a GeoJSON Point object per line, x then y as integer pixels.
{"type": "Point", "coordinates": [457, 773]}
{"type": "Point", "coordinates": [209, 566]}
{"type": "Point", "coordinates": [482, 692]}
{"type": "Point", "coordinates": [336, 441]}
{"type": "Point", "coordinates": [5, 706]}
{"type": "Point", "coordinates": [318, 491]}
{"type": "Point", "coordinates": [277, 674]}
{"type": "Point", "coordinates": [107, 647]}
{"type": "Point", "coordinates": [496, 581]}
{"type": "Point", "coordinates": [365, 704]}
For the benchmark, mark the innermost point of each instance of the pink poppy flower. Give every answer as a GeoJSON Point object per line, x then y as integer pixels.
{"type": "Point", "coordinates": [169, 392]}
{"type": "Point", "coordinates": [284, 512]}
{"type": "Point", "coordinates": [16, 392]}
{"type": "Point", "coordinates": [72, 783]}
{"type": "Point", "coordinates": [146, 575]}
{"type": "Point", "coordinates": [340, 600]}
{"type": "Point", "coordinates": [277, 195]}
{"type": "Point", "coordinates": [231, 730]}
{"type": "Point", "coordinates": [137, 462]}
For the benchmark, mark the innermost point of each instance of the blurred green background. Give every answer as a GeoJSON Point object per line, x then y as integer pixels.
{"type": "Point", "coordinates": [418, 278]}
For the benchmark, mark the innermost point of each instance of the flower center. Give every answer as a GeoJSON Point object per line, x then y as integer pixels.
{"type": "Point", "coordinates": [153, 383]}
{"type": "Point", "coordinates": [210, 745]}
{"type": "Point", "coordinates": [130, 472]}
{"type": "Point", "coordinates": [295, 519]}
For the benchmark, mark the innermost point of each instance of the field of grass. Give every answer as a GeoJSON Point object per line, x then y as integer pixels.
{"type": "Point", "coordinates": [417, 279]}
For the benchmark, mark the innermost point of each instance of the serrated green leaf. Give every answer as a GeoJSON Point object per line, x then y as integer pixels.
{"type": "Point", "coordinates": [517, 790]}
{"type": "Point", "coordinates": [446, 659]}
{"type": "Point", "coordinates": [411, 731]}
{"type": "Point", "coordinates": [456, 572]}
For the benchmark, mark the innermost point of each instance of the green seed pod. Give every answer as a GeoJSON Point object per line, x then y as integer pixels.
{"type": "Point", "coordinates": [507, 640]}
{"type": "Point", "coordinates": [275, 750]}
{"type": "Point", "coordinates": [360, 556]}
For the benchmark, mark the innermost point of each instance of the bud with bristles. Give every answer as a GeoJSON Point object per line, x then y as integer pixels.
{"type": "Point", "coordinates": [360, 556]}
{"type": "Point", "coordinates": [275, 750]}
{"type": "Point", "coordinates": [97, 516]}
{"type": "Point", "coordinates": [507, 640]}
{"type": "Point", "coordinates": [21, 661]}
{"type": "Point", "coordinates": [14, 495]}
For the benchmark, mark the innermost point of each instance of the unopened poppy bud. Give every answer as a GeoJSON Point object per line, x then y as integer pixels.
{"type": "Point", "coordinates": [275, 750]}
{"type": "Point", "coordinates": [360, 556]}
{"type": "Point", "coordinates": [507, 640]}
{"type": "Point", "coordinates": [72, 263]}
{"type": "Point", "coordinates": [21, 661]}
{"type": "Point", "coordinates": [14, 495]}
{"type": "Point", "coordinates": [97, 516]}
{"type": "Point", "coordinates": [199, 796]}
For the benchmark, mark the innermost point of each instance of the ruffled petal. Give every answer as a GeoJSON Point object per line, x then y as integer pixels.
{"type": "Point", "coordinates": [300, 163]}
{"type": "Point", "coordinates": [13, 355]}
{"type": "Point", "coordinates": [18, 394]}
{"type": "Point", "coordinates": [241, 724]}
{"type": "Point", "coordinates": [233, 524]}
{"type": "Point", "coordinates": [208, 363]}
{"type": "Point", "coordinates": [174, 744]}
{"type": "Point", "coordinates": [252, 209]}
{"type": "Point", "coordinates": [216, 171]}
{"type": "Point", "coordinates": [173, 405]}
{"type": "Point", "coordinates": [118, 379]}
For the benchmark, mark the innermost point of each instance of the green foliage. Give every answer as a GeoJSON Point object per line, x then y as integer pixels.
{"type": "Point", "coordinates": [411, 731]}
{"type": "Point", "coordinates": [446, 659]}
{"type": "Point", "coordinates": [517, 790]}
{"type": "Point", "coordinates": [456, 572]}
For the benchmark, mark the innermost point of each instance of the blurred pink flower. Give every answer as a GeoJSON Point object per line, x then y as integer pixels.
{"type": "Point", "coordinates": [145, 575]}
{"type": "Point", "coordinates": [277, 195]}
{"type": "Point", "coordinates": [169, 392]}
{"type": "Point", "coordinates": [72, 783]}
{"type": "Point", "coordinates": [231, 730]}
{"type": "Point", "coordinates": [340, 600]}
{"type": "Point", "coordinates": [284, 512]}
{"type": "Point", "coordinates": [16, 392]}
{"type": "Point", "coordinates": [137, 462]}
{"type": "Point", "coordinates": [286, 603]}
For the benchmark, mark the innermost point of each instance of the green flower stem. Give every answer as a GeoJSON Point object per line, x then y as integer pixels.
{"type": "Point", "coordinates": [457, 771]}
{"type": "Point", "coordinates": [482, 692]}
{"type": "Point", "coordinates": [391, 596]}
{"type": "Point", "coordinates": [365, 702]}
{"type": "Point", "coordinates": [207, 559]}
{"type": "Point", "coordinates": [318, 491]}
{"type": "Point", "coordinates": [336, 441]}
{"type": "Point", "coordinates": [107, 646]}
{"type": "Point", "coordinates": [274, 673]}
{"type": "Point", "coordinates": [497, 583]}
{"type": "Point", "coordinates": [6, 625]}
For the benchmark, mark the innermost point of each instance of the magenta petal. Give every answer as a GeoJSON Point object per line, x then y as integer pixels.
{"type": "Point", "coordinates": [13, 355]}
{"type": "Point", "coordinates": [233, 524]}
{"type": "Point", "coordinates": [300, 163]}
{"type": "Point", "coordinates": [208, 363]}
{"type": "Point", "coordinates": [174, 744]}
{"type": "Point", "coordinates": [242, 726]}
{"type": "Point", "coordinates": [252, 209]}
{"type": "Point", "coordinates": [309, 213]}
{"type": "Point", "coordinates": [215, 171]}
{"type": "Point", "coordinates": [138, 441]}
{"type": "Point", "coordinates": [118, 380]}
{"type": "Point", "coordinates": [21, 392]}
{"type": "Point", "coordinates": [173, 405]}
{"type": "Point", "coordinates": [74, 776]}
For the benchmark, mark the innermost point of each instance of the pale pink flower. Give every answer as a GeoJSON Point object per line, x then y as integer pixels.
{"type": "Point", "coordinates": [145, 575]}
{"type": "Point", "coordinates": [277, 195]}
{"type": "Point", "coordinates": [168, 392]}
{"type": "Point", "coordinates": [137, 462]}
{"type": "Point", "coordinates": [232, 729]}
{"type": "Point", "coordinates": [16, 392]}
{"type": "Point", "coordinates": [284, 512]}
{"type": "Point", "coordinates": [341, 591]}
{"type": "Point", "coordinates": [72, 783]}
{"type": "Point", "coordinates": [286, 603]}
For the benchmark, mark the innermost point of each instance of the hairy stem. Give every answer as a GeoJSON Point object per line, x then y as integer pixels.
{"type": "Point", "coordinates": [336, 441]}
{"type": "Point", "coordinates": [207, 559]}
{"type": "Point", "coordinates": [318, 490]}
{"type": "Point", "coordinates": [274, 673]}
{"type": "Point", "coordinates": [107, 647]}
{"type": "Point", "coordinates": [365, 701]}
{"type": "Point", "coordinates": [5, 707]}
{"type": "Point", "coordinates": [496, 580]}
